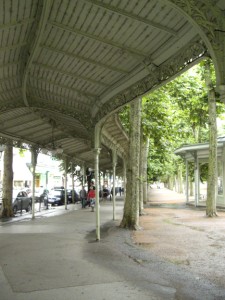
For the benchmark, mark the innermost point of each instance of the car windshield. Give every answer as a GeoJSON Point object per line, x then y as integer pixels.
{"type": "Point", "coordinates": [56, 193]}
{"type": "Point", "coordinates": [15, 193]}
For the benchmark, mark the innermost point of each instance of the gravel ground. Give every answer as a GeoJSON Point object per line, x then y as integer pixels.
{"type": "Point", "coordinates": [185, 240]}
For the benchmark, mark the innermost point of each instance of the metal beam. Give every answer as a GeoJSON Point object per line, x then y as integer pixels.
{"type": "Point", "coordinates": [131, 52]}
{"type": "Point", "coordinates": [31, 130]}
{"type": "Point", "coordinates": [19, 23]}
{"type": "Point", "coordinates": [10, 90]}
{"type": "Point", "coordinates": [75, 101]}
{"type": "Point", "coordinates": [54, 69]}
{"type": "Point", "coordinates": [88, 95]}
{"type": "Point", "coordinates": [11, 47]}
{"type": "Point", "coordinates": [38, 36]}
{"type": "Point", "coordinates": [131, 16]}
{"type": "Point", "coordinates": [10, 64]}
{"type": "Point", "coordinates": [88, 60]}
{"type": "Point", "coordinates": [62, 105]}
{"type": "Point", "coordinates": [14, 123]}
{"type": "Point", "coordinates": [10, 78]}
{"type": "Point", "coordinates": [10, 104]}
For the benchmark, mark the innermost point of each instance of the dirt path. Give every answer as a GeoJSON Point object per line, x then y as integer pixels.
{"type": "Point", "coordinates": [183, 235]}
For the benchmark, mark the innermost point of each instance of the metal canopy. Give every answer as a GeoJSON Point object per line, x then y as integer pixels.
{"type": "Point", "coordinates": [67, 65]}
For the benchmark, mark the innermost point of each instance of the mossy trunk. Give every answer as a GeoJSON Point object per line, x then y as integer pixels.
{"type": "Point", "coordinates": [212, 171]}
{"type": "Point", "coordinates": [6, 209]}
{"type": "Point", "coordinates": [145, 175]}
{"type": "Point", "coordinates": [131, 208]}
{"type": "Point", "coordinates": [141, 166]}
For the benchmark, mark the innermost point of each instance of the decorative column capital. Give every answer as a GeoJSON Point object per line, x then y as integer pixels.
{"type": "Point", "coordinates": [97, 150]}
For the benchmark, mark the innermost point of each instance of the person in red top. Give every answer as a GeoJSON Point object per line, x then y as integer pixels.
{"type": "Point", "coordinates": [91, 196]}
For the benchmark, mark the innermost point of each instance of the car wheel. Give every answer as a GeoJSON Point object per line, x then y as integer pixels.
{"type": "Point", "coordinates": [14, 210]}
{"type": "Point", "coordinates": [28, 209]}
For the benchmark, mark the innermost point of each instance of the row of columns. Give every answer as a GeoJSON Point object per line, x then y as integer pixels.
{"type": "Point", "coordinates": [196, 180]}
{"type": "Point", "coordinates": [34, 154]}
{"type": "Point", "coordinates": [114, 163]}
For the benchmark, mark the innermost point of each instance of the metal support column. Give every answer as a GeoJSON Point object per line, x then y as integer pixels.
{"type": "Point", "coordinates": [114, 180]}
{"type": "Point", "coordinates": [34, 154]}
{"type": "Point", "coordinates": [187, 183]}
{"type": "Point", "coordinates": [65, 182]}
{"type": "Point", "coordinates": [196, 174]}
{"type": "Point", "coordinates": [97, 152]}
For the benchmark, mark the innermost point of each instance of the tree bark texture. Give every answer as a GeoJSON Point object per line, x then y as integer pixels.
{"type": "Point", "coordinates": [212, 171]}
{"type": "Point", "coordinates": [141, 167]}
{"type": "Point", "coordinates": [6, 210]}
{"type": "Point", "coordinates": [131, 208]}
{"type": "Point", "coordinates": [145, 175]}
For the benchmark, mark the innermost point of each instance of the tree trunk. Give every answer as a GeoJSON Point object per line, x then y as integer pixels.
{"type": "Point", "coordinates": [171, 183]}
{"type": "Point", "coordinates": [212, 180]}
{"type": "Point", "coordinates": [141, 166]}
{"type": "Point", "coordinates": [6, 210]}
{"type": "Point", "coordinates": [131, 208]}
{"type": "Point", "coordinates": [145, 175]}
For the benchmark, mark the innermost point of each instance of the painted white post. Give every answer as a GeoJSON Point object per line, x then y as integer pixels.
{"type": "Point", "coordinates": [34, 154]}
{"type": "Point", "coordinates": [97, 152]}
{"type": "Point", "coordinates": [196, 180]}
{"type": "Point", "coordinates": [65, 181]}
{"type": "Point", "coordinates": [114, 180]}
{"type": "Point", "coordinates": [187, 183]}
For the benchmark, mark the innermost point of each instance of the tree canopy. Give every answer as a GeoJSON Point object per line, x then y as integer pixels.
{"type": "Point", "coordinates": [173, 115]}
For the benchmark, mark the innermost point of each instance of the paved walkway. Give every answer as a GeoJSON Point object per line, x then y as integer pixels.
{"type": "Point", "coordinates": [57, 257]}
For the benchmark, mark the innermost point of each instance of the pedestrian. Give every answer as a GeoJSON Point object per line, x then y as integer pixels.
{"type": "Point", "coordinates": [83, 196]}
{"type": "Point", "coordinates": [91, 197]}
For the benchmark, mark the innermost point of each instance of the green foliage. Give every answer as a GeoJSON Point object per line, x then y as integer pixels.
{"type": "Point", "coordinates": [174, 115]}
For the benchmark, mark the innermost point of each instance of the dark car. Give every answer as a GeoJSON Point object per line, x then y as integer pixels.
{"type": "Point", "coordinates": [69, 196]}
{"type": "Point", "coordinates": [56, 197]}
{"type": "Point", "coordinates": [21, 201]}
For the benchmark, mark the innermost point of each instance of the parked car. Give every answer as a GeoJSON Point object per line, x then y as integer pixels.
{"type": "Point", "coordinates": [28, 191]}
{"type": "Point", "coordinates": [21, 201]}
{"type": "Point", "coordinates": [41, 195]}
{"type": "Point", "coordinates": [56, 197]}
{"type": "Point", "coordinates": [69, 196]}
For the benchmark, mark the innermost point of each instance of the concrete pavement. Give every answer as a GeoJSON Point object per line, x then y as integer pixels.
{"type": "Point", "coordinates": [55, 256]}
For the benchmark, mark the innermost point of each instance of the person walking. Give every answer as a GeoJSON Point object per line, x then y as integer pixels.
{"type": "Point", "coordinates": [83, 196]}
{"type": "Point", "coordinates": [91, 197]}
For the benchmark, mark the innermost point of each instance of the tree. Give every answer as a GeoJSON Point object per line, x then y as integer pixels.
{"type": "Point", "coordinates": [212, 170]}
{"type": "Point", "coordinates": [131, 208]}
{"type": "Point", "coordinates": [6, 209]}
{"type": "Point", "coordinates": [173, 115]}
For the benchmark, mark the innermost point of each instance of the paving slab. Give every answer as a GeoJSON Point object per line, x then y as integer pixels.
{"type": "Point", "coordinates": [56, 256]}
